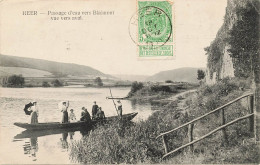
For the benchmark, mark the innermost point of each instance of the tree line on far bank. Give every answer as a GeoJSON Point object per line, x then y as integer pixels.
{"type": "Point", "coordinates": [13, 81]}
{"type": "Point", "coordinates": [18, 81]}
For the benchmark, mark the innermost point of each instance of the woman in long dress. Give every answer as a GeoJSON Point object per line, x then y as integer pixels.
{"type": "Point", "coordinates": [35, 113]}
{"type": "Point", "coordinates": [65, 116]}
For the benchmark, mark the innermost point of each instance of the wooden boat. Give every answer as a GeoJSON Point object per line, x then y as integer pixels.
{"type": "Point", "coordinates": [79, 124]}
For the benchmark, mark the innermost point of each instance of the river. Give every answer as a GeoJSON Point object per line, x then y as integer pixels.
{"type": "Point", "coordinates": [51, 147]}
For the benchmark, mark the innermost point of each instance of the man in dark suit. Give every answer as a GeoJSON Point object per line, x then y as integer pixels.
{"type": "Point", "coordinates": [85, 116]}
{"type": "Point", "coordinates": [94, 110]}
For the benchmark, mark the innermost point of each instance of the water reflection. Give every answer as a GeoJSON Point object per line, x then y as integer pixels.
{"type": "Point", "coordinates": [133, 104]}
{"type": "Point", "coordinates": [40, 133]}
{"type": "Point", "coordinates": [71, 135]}
{"type": "Point", "coordinates": [31, 148]}
{"type": "Point", "coordinates": [63, 140]}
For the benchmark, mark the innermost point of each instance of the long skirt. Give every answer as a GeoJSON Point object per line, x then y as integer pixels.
{"type": "Point", "coordinates": [119, 112]}
{"type": "Point", "coordinates": [34, 118]}
{"type": "Point", "coordinates": [65, 117]}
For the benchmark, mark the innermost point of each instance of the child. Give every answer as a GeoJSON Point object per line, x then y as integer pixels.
{"type": "Point", "coordinates": [72, 116]}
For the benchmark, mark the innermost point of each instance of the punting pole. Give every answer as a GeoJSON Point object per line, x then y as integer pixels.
{"type": "Point", "coordinates": [113, 99]}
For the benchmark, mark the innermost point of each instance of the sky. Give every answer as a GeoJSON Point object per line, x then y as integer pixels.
{"type": "Point", "coordinates": [103, 42]}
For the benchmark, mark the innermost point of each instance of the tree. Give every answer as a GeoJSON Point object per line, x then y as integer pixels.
{"type": "Point", "coordinates": [201, 74]}
{"type": "Point", "coordinates": [45, 84]}
{"type": "Point", "coordinates": [98, 81]}
{"type": "Point", "coordinates": [135, 87]}
{"type": "Point", "coordinates": [245, 49]}
{"type": "Point", "coordinates": [15, 81]}
{"type": "Point", "coordinates": [168, 81]}
{"type": "Point", "coordinates": [244, 41]}
{"type": "Point", "coordinates": [57, 83]}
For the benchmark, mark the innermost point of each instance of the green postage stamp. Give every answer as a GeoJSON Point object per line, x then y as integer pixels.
{"type": "Point", "coordinates": [151, 28]}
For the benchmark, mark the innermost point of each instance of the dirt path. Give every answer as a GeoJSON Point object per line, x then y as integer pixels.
{"type": "Point", "coordinates": [175, 97]}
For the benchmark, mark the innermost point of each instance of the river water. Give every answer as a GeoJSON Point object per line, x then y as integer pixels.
{"type": "Point", "coordinates": [44, 147]}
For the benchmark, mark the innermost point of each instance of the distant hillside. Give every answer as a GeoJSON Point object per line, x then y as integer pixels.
{"type": "Point", "coordinates": [56, 68]}
{"type": "Point", "coordinates": [26, 72]}
{"type": "Point", "coordinates": [181, 74]}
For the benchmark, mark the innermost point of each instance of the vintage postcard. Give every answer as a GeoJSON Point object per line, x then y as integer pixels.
{"type": "Point", "coordinates": [129, 81]}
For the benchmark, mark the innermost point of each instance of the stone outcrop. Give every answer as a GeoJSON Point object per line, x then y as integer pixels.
{"type": "Point", "coordinates": [220, 61]}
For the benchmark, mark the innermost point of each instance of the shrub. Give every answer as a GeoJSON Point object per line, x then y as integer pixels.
{"type": "Point", "coordinates": [135, 87]}
{"type": "Point", "coordinates": [129, 143]}
{"type": "Point", "coordinates": [14, 81]}
{"type": "Point", "coordinates": [45, 84]}
{"type": "Point", "coordinates": [200, 74]}
{"type": "Point", "coordinates": [158, 88]}
{"type": "Point", "coordinates": [98, 81]}
{"type": "Point", "coordinates": [168, 81]}
{"type": "Point", "coordinates": [57, 83]}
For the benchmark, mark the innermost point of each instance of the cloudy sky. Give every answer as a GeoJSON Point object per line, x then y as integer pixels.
{"type": "Point", "coordinates": [103, 42]}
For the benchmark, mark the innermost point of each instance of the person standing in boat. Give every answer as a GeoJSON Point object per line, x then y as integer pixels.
{"type": "Point", "coordinates": [85, 116]}
{"type": "Point", "coordinates": [94, 110]}
{"type": "Point", "coordinates": [72, 116]}
{"type": "Point", "coordinates": [65, 116]}
{"type": "Point", "coordinates": [35, 113]}
{"type": "Point", "coordinates": [119, 108]}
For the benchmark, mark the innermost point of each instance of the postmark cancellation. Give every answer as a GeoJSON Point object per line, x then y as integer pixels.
{"type": "Point", "coordinates": [151, 29]}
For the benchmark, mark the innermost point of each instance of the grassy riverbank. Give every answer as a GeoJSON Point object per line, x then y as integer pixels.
{"type": "Point", "coordinates": [136, 143]}
{"type": "Point", "coordinates": [157, 92]}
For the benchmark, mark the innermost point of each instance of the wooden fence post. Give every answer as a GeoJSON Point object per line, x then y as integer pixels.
{"type": "Point", "coordinates": [190, 134]}
{"type": "Point", "coordinates": [223, 121]}
{"type": "Point", "coordinates": [165, 144]}
{"type": "Point", "coordinates": [257, 113]}
{"type": "Point", "coordinates": [251, 111]}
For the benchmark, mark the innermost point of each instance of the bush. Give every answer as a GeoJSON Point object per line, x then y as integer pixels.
{"type": "Point", "coordinates": [135, 87]}
{"type": "Point", "coordinates": [159, 88]}
{"type": "Point", "coordinates": [168, 81]}
{"type": "Point", "coordinates": [14, 81]}
{"type": "Point", "coordinates": [129, 144]}
{"type": "Point", "coordinates": [57, 83]}
{"type": "Point", "coordinates": [200, 74]}
{"type": "Point", "coordinates": [45, 84]}
{"type": "Point", "coordinates": [98, 81]}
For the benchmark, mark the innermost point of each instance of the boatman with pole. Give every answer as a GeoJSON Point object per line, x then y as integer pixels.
{"type": "Point", "coordinates": [119, 108]}
{"type": "Point", "coordinates": [119, 112]}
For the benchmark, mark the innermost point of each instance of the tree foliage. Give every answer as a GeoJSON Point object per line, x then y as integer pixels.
{"type": "Point", "coordinates": [244, 41]}
{"type": "Point", "coordinates": [98, 81]}
{"type": "Point", "coordinates": [135, 87]}
{"type": "Point", "coordinates": [168, 81]}
{"type": "Point", "coordinates": [45, 84]}
{"type": "Point", "coordinates": [13, 81]}
{"type": "Point", "coordinates": [214, 52]}
{"type": "Point", "coordinates": [201, 74]}
{"type": "Point", "coordinates": [57, 83]}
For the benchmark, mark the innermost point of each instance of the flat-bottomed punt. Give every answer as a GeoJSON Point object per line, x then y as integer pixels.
{"type": "Point", "coordinates": [79, 124]}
